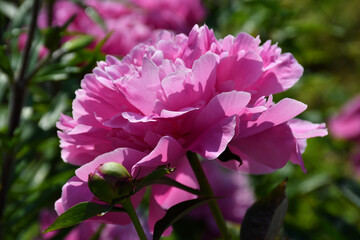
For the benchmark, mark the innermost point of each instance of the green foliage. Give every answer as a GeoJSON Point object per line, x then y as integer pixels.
{"type": "Point", "coordinates": [78, 43]}
{"type": "Point", "coordinates": [175, 213]}
{"type": "Point", "coordinates": [77, 214]}
{"type": "Point", "coordinates": [5, 63]}
{"type": "Point", "coordinates": [264, 219]}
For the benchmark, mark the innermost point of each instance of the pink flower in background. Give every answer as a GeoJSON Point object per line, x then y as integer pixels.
{"type": "Point", "coordinates": [131, 22]}
{"type": "Point", "coordinates": [234, 192]}
{"type": "Point", "coordinates": [22, 41]}
{"type": "Point", "coordinates": [346, 124]}
{"type": "Point", "coordinates": [178, 15]}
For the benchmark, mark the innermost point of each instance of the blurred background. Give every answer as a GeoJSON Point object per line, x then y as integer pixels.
{"type": "Point", "coordinates": [324, 37]}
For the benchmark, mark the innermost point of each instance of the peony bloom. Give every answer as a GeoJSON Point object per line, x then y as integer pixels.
{"type": "Point", "coordinates": [131, 22]}
{"type": "Point", "coordinates": [203, 94]}
{"type": "Point", "coordinates": [176, 94]}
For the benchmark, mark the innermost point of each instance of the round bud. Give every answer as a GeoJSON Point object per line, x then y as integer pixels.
{"type": "Point", "coordinates": [110, 181]}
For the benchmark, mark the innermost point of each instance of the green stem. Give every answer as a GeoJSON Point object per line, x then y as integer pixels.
{"type": "Point", "coordinates": [206, 189]}
{"type": "Point", "coordinates": [129, 208]}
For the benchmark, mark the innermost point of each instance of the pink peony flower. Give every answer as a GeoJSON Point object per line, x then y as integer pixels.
{"type": "Point", "coordinates": [176, 94]}
{"type": "Point", "coordinates": [131, 22]}
{"type": "Point", "coordinates": [178, 87]}
{"type": "Point", "coordinates": [346, 124]}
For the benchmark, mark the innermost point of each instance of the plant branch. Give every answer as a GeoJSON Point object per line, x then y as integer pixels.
{"type": "Point", "coordinates": [206, 189]}
{"type": "Point", "coordinates": [129, 208]}
{"type": "Point", "coordinates": [15, 106]}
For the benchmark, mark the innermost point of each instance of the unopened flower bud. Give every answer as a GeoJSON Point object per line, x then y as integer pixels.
{"type": "Point", "coordinates": [110, 181]}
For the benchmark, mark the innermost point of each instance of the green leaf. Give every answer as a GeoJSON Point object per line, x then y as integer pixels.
{"type": "Point", "coordinates": [52, 38]}
{"type": "Point", "coordinates": [67, 23]}
{"type": "Point", "coordinates": [154, 175]}
{"type": "Point", "coordinates": [101, 43]}
{"type": "Point", "coordinates": [94, 15]}
{"type": "Point", "coordinates": [22, 14]}
{"type": "Point", "coordinates": [5, 63]}
{"type": "Point", "coordinates": [175, 213]}
{"type": "Point", "coordinates": [8, 9]}
{"type": "Point", "coordinates": [57, 106]}
{"type": "Point", "coordinates": [338, 227]}
{"type": "Point", "coordinates": [56, 77]}
{"type": "Point", "coordinates": [264, 219]}
{"type": "Point", "coordinates": [78, 43]}
{"type": "Point", "coordinates": [77, 214]}
{"type": "Point", "coordinates": [350, 189]}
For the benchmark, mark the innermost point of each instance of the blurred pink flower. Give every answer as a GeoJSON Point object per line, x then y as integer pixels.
{"type": "Point", "coordinates": [22, 41]}
{"type": "Point", "coordinates": [346, 124]}
{"type": "Point", "coordinates": [234, 192]}
{"type": "Point", "coordinates": [178, 15]}
{"type": "Point", "coordinates": [132, 22]}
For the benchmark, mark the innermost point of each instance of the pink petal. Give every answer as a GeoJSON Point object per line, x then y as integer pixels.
{"type": "Point", "coordinates": [167, 196]}
{"type": "Point", "coordinates": [248, 70]}
{"type": "Point", "coordinates": [204, 76]}
{"type": "Point", "coordinates": [283, 111]}
{"type": "Point", "coordinates": [304, 129]}
{"type": "Point", "coordinates": [214, 140]}
{"type": "Point", "coordinates": [73, 192]}
{"type": "Point", "coordinates": [141, 92]}
{"type": "Point", "coordinates": [221, 106]}
{"type": "Point", "coordinates": [244, 41]}
{"type": "Point", "coordinates": [173, 114]}
{"type": "Point", "coordinates": [167, 151]}
{"type": "Point", "coordinates": [252, 167]}
{"type": "Point", "coordinates": [126, 156]}
{"type": "Point", "coordinates": [279, 78]}
{"type": "Point", "coordinates": [155, 214]}
{"type": "Point", "coordinates": [272, 148]}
